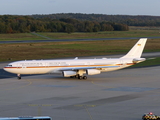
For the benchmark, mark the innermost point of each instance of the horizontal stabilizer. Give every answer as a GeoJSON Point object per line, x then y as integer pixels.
{"type": "Point", "coordinates": [137, 60]}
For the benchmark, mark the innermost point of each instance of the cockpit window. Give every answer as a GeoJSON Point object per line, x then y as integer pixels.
{"type": "Point", "coordinates": [9, 65]}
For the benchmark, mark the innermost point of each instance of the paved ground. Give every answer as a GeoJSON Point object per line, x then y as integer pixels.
{"type": "Point", "coordinates": [63, 40]}
{"type": "Point", "coordinates": [120, 95]}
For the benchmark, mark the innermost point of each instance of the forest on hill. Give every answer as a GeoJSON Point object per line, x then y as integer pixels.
{"type": "Point", "coordinates": [24, 24]}
{"type": "Point", "coordinates": [130, 20]}
{"type": "Point", "coordinates": [73, 22]}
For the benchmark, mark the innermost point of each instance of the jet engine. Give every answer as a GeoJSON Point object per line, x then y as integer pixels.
{"type": "Point", "coordinates": [92, 71]}
{"type": "Point", "coordinates": [69, 73]}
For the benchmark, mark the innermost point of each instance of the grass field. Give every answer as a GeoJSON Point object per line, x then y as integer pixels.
{"type": "Point", "coordinates": [108, 34]}
{"type": "Point", "coordinates": [70, 49]}
{"type": "Point", "coordinates": [22, 51]}
{"type": "Point", "coordinates": [19, 36]}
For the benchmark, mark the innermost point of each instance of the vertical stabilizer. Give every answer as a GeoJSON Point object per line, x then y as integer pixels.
{"type": "Point", "coordinates": [137, 49]}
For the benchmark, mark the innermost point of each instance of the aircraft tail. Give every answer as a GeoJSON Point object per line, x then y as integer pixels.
{"type": "Point", "coordinates": [137, 49]}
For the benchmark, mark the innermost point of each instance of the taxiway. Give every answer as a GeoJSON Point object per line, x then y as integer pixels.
{"type": "Point", "coordinates": [120, 95]}
{"type": "Point", "coordinates": [69, 40]}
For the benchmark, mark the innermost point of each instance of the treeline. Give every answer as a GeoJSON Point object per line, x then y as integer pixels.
{"type": "Point", "coordinates": [129, 20]}
{"type": "Point", "coordinates": [23, 24]}
{"type": "Point", "coordinates": [73, 22]}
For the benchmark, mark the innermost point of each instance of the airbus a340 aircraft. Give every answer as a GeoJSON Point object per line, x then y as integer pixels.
{"type": "Point", "coordinates": [78, 67]}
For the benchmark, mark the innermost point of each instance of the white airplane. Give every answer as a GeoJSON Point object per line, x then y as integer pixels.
{"type": "Point", "coordinates": [78, 67]}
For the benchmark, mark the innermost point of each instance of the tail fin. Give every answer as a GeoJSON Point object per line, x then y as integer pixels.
{"type": "Point", "coordinates": [137, 49]}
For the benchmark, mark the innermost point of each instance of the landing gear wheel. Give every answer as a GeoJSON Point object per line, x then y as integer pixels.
{"type": "Point", "coordinates": [18, 76]}
{"type": "Point", "coordinates": [76, 76]}
{"type": "Point", "coordinates": [84, 77]}
{"type": "Point", "coordinates": [80, 77]}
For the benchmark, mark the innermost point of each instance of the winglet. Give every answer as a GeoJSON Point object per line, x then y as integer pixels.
{"type": "Point", "coordinates": [137, 49]}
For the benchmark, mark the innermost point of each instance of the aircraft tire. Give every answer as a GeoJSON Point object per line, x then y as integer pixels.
{"type": "Point", "coordinates": [76, 76]}
{"type": "Point", "coordinates": [80, 77]}
{"type": "Point", "coordinates": [84, 77]}
{"type": "Point", "coordinates": [19, 77]}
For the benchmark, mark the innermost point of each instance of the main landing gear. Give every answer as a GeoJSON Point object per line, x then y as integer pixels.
{"type": "Point", "coordinates": [82, 77]}
{"type": "Point", "coordinates": [79, 77]}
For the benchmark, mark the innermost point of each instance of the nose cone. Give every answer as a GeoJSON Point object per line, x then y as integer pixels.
{"type": "Point", "coordinates": [6, 69]}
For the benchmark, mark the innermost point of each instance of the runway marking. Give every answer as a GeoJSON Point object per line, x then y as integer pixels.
{"type": "Point", "coordinates": [42, 105]}
{"type": "Point", "coordinates": [88, 113]}
{"type": "Point", "coordinates": [39, 107]}
{"type": "Point", "coordinates": [29, 83]}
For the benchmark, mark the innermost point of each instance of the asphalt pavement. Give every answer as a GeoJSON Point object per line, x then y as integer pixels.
{"type": "Point", "coordinates": [67, 40]}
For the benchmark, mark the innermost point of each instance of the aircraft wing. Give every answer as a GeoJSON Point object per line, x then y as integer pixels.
{"type": "Point", "coordinates": [85, 68]}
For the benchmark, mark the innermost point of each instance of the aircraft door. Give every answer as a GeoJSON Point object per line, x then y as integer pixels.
{"type": "Point", "coordinates": [21, 66]}
{"type": "Point", "coordinates": [46, 64]}
{"type": "Point", "coordinates": [122, 62]}
{"type": "Point", "coordinates": [88, 63]}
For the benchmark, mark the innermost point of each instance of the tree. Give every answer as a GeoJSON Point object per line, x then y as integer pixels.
{"type": "Point", "coordinates": [89, 26]}
{"type": "Point", "coordinates": [120, 27]}
{"type": "Point", "coordinates": [2, 27]}
{"type": "Point", "coordinates": [22, 24]}
{"type": "Point", "coordinates": [69, 28]}
{"type": "Point", "coordinates": [9, 29]}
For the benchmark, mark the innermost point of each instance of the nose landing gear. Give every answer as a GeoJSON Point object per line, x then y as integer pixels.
{"type": "Point", "coordinates": [18, 76]}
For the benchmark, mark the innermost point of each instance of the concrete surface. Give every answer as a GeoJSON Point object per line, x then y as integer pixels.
{"type": "Point", "coordinates": [119, 95]}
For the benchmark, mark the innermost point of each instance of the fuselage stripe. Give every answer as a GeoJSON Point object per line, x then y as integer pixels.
{"type": "Point", "coordinates": [65, 66]}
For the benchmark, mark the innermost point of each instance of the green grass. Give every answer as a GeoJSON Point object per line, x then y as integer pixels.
{"type": "Point", "coordinates": [19, 36]}
{"type": "Point", "coordinates": [22, 51]}
{"type": "Point", "coordinates": [106, 34]}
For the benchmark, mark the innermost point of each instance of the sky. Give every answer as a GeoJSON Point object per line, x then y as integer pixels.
{"type": "Point", "coordinates": [109, 7]}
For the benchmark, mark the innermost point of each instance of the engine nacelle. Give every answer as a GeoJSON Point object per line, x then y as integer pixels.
{"type": "Point", "coordinates": [92, 72]}
{"type": "Point", "coordinates": [69, 73]}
